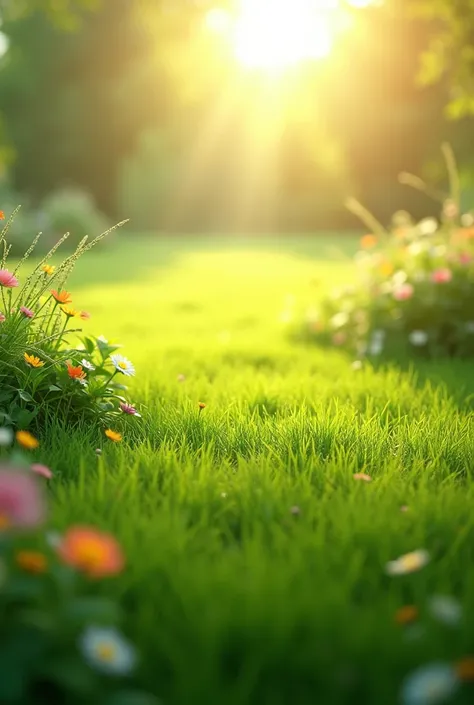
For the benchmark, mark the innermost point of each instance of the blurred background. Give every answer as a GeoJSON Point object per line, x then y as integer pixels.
{"type": "Point", "coordinates": [238, 116]}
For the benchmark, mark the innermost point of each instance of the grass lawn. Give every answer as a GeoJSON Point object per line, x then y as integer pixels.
{"type": "Point", "coordinates": [231, 597]}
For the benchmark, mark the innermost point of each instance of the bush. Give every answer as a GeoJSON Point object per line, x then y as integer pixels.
{"type": "Point", "coordinates": [415, 290]}
{"type": "Point", "coordinates": [70, 210]}
{"type": "Point", "coordinates": [44, 372]}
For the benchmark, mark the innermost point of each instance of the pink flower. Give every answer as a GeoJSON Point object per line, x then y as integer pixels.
{"type": "Point", "coordinates": [22, 503]}
{"type": "Point", "coordinates": [2, 318]}
{"type": "Point", "coordinates": [7, 279]}
{"type": "Point", "coordinates": [465, 258]}
{"type": "Point", "coordinates": [129, 409]}
{"type": "Point", "coordinates": [41, 470]}
{"type": "Point", "coordinates": [442, 276]}
{"type": "Point", "coordinates": [403, 292]}
{"type": "Point", "coordinates": [26, 312]}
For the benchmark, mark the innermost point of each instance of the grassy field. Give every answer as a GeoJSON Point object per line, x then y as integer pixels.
{"type": "Point", "coordinates": [234, 597]}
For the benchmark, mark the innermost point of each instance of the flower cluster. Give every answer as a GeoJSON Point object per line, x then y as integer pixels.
{"type": "Point", "coordinates": [415, 291]}
{"type": "Point", "coordinates": [44, 366]}
{"type": "Point", "coordinates": [48, 581]}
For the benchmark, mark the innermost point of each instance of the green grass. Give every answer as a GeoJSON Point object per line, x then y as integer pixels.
{"type": "Point", "coordinates": [232, 598]}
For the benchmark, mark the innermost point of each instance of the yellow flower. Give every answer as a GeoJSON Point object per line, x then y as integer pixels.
{"type": "Point", "coordinates": [113, 435]}
{"type": "Point", "coordinates": [48, 269]}
{"type": "Point", "coordinates": [409, 563]}
{"type": "Point", "coordinates": [31, 561]}
{"type": "Point", "coordinates": [69, 311]}
{"type": "Point", "coordinates": [33, 361]}
{"type": "Point", "coordinates": [27, 440]}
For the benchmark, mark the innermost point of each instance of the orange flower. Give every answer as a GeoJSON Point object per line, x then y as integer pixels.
{"type": "Point", "coordinates": [465, 668]}
{"type": "Point", "coordinates": [69, 311]}
{"type": "Point", "coordinates": [406, 615]}
{"type": "Point", "coordinates": [48, 269]}
{"type": "Point", "coordinates": [85, 315]}
{"type": "Point", "coordinates": [2, 215]}
{"type": "Point", "coordinates": [33, 361]}
{"type": "Point", "coordinates": [75, 372]}
{"type": "Point", "coordinates": [31, 561]}
{"type": "Point", "coordinates": [91, 551]}
{"type": "Point", "coordinates": [113, 435]}
{"type": "Point", "coordinates": [61, 297]}
{"type": "Point", "coordinates": [201, 405]}
{"type": "Point", "coordinates": [27, 440]}
{"type": "Point", "coordinates": [368, 241]}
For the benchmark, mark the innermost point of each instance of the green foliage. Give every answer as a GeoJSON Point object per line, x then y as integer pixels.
{"type": "Point", "coordinates": [417, 286]}
{"type": "Point", "coordinates": [44, 372]}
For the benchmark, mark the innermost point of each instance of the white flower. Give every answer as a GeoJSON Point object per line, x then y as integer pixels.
{"type": "Point", "coordinates": [416, 248]}
{"type": "Point", "coordinates": [409, 563]}
{"type": "Point", "coordinates": [106, 650]}
{"type": "Point", "coordinates": [418, 337]}
{"type": "Point", "coordinates": [123, 365]}
{"type": "Point", "coordinates": [87, 365]}
{"type": "Point", "coordinates": [429, 685]}
{"type": "Point", "coordinates": [428, 226]}
{"type": "Point", "coordinates": [446, 609]}
{"type": "Point", "coordinates": [339, 320]}
{"type": "Point", "coordinates": [399, 277]}
{"type": "Point", "coordinates": [6, 436]}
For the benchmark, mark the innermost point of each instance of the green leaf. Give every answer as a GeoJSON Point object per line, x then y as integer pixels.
{"type": "Point", "coordinates": [71, 673]}
{"type": "Point", "coordinates": [26, 396]}
{"type": "Point", "coordinates": [54, 388]}
{"type": "Point", "coordinates": [89, 345]}
{"type": "Point", "coordinates": [89, 609]}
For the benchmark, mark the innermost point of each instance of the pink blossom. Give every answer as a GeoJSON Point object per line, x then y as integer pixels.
{"type": "Point", "coordinates": [403, 292]}
{"type": "Point", "coordinates": [41, 470]}
{"type": "Point", "coordinates": [465, 258]}
{"type": "Point", "coordinates": [7, 279]}
{"type": "Point", "coordinates": [26, 312]}
{"type": "Point", "coordinates": [129, 409]}
{"type": "Point", "coordinates": [22, 503]}
{"type": "Point", "coordinates": [2, 318]}
{"type": "Point", "coordinates": [442, 276]}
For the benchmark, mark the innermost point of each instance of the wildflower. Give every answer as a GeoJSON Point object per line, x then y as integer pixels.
{"type": "Point", "coordinates": [465, 258]}
{"type": "Point", "coordinates": [368, 241]}
{"type": "Point", "coordinates": [201, 405]}
{"type": "Point", "coordinates": [442, 276]}
{"type": "Point", "coordinates": [409, 563]}
{"type": "Point", "coordinates": [27, 440]}
{"type": "Point", "coordinates": [465, 669]}
{"type": "Point", "coordinates": [339, 338]}
{"type": "Point", "coordinates": [406, 615]}
{"type": "Point", "coordinates": [113, 435]}
{"type": "Point", "coordinates": [41, 470]}
{"type": "Point", "coordinates": [123, 365]}
{"type": "Point", "coordinates": [3, 318]}
{"type": "Point", "coordinates": [429, 685]}
{"type": "Point", "coordinates": [386, 269]}
{"type": "Point", "coordinates": [98, 451]}
{"type": "Point", "coordinates": [75, 372]}
{"type": "Point", "coordinates": [85, 315]}
{"type": "Point", "coordinates": [403, 292]}
{"type": "Point", "coordinates": [362, 476]}
{"type": "Point", "coordinates": [31, 561]}
{"type": "Point", "coordinates": [6, 436]}
{"type": "Point", "coordinates": [26, 312]}
{"type": "Point", "coordinates": [48, 269]}
{"type": "Point", "coordinates": [21, 500]}
{"type": "Point", "coordinates": [418, 338]}
{"type": "Point", "coordinates": [33, 361]}
{"type": "Point", "coordinates": [445, 609]}
{"type": "Point", "coordinates": [105, 649]}
{"type": "Point", "coordinates": [95, 553]}
{"type": "Point", "coordinates": [128, 409]}
{"type": "Point", "coordinates": [87, 365]}
{"type": "Point", "coordinates": [7, 279]}
{"type": "Point", "coordinates": [61, 297]}
{"type": "Point", "coordinates": [2, 215]}
{"type": "Point", "coordinates": [69, 311]}
{"type": "Point", "coordinates": [102, 340]}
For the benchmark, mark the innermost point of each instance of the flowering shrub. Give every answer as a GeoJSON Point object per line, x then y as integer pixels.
{"type": "Point", "coordinates": [46, 370]}
{"type": "Point", "coordinates": [416, 288]}
{"type": "Point", "coordinates": [60, 642]}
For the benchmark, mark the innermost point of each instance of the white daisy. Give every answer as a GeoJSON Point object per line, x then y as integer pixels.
{"type": "Point", "coordinates": [409, 563]}
{"type": "Point", "coordinates": [87, 365]}
{"type": "Point", "coordinates": [123, 365]}
{"type": "Point", "coordinates": [6, 436]}
{"type": "Point", "coordinates": [429, 685]}
{"type": "Point", "coordinates": [105, 649]}
{"type": "Point", "coordinates": [418, 338]}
